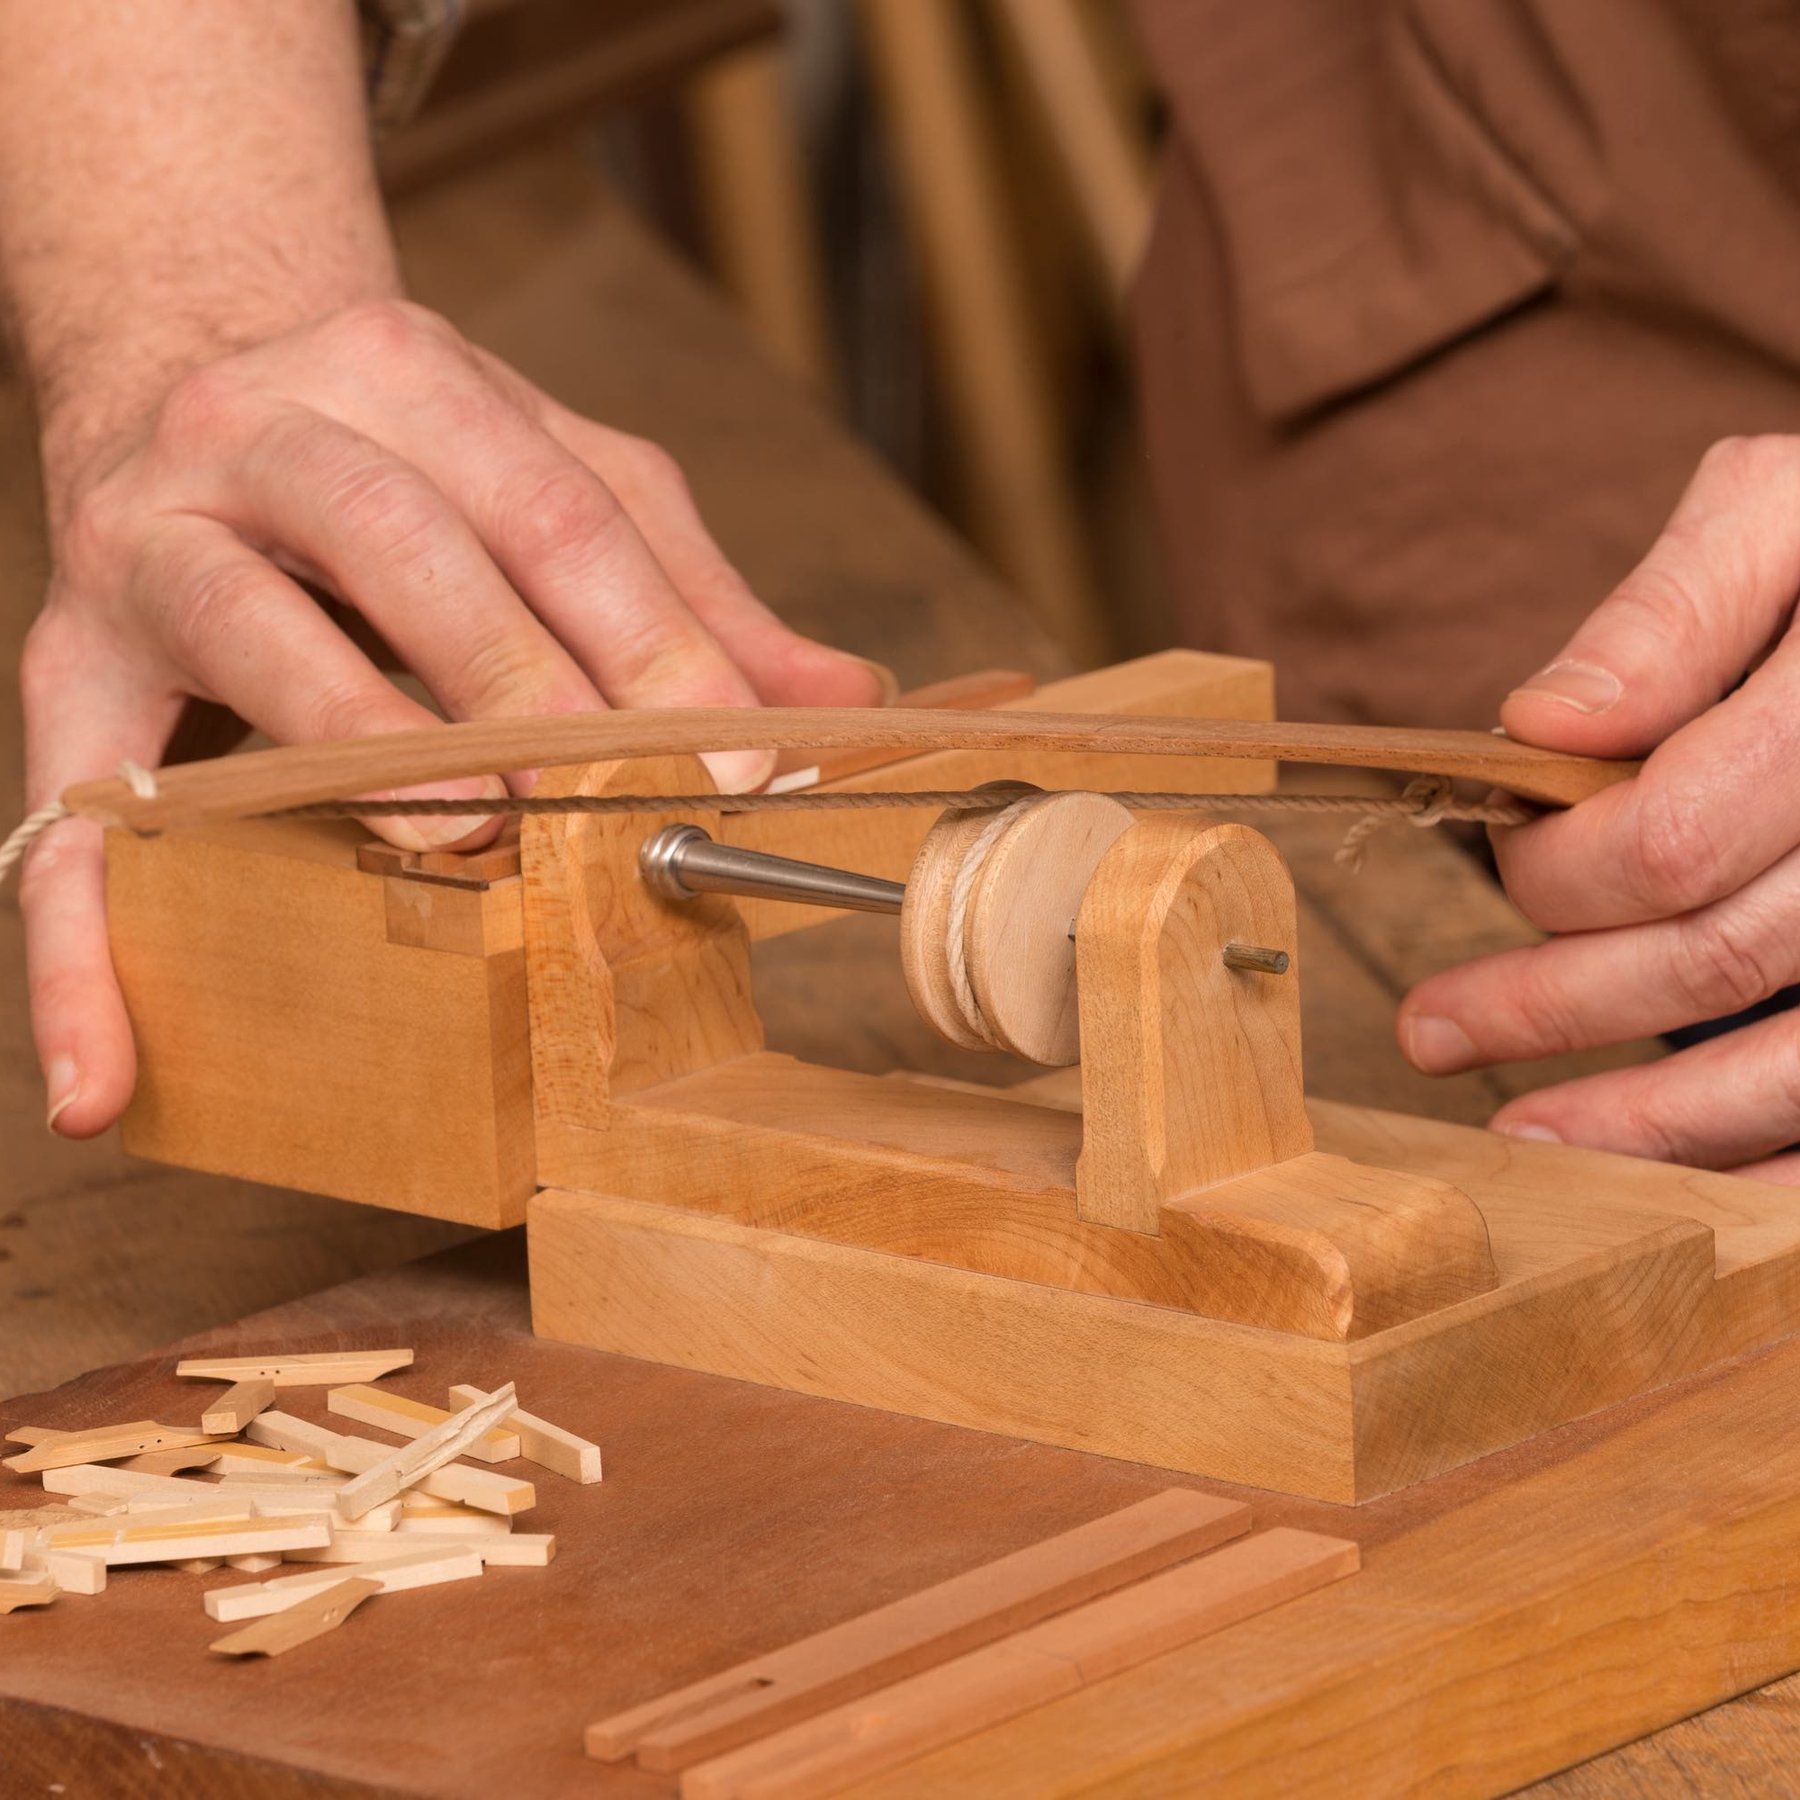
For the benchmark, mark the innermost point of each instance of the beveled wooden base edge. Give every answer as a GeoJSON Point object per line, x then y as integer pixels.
{"type": "Point", "coordinates": [1116, 1377]}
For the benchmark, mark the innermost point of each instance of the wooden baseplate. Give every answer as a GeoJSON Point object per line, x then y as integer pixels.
{"type": "Point", "coordinates": [1613, 1276]}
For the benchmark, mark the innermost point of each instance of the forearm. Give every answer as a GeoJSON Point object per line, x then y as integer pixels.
{"type": "Point", "coordinates": [178, 179]}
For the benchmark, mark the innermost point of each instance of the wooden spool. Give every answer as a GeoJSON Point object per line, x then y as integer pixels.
{"type": "Point", "coordinates": [986, 930]}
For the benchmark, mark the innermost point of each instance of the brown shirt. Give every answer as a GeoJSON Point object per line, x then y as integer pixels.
{"type": "Point", "coordinates": [1445, 300]}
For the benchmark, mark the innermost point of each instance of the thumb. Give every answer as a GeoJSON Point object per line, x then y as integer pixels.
{"type": "Point", "coordinates": [1683, 627]}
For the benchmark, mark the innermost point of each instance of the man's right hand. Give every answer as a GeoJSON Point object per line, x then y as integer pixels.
{"type": "Point", "coordinates": [516, 557]}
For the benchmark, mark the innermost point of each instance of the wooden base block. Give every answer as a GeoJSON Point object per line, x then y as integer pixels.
{"type": "Point", "coordinates": [1615, 1277]}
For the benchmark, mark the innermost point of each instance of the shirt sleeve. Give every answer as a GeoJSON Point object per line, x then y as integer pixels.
{"type": "Point", "coordinates": [404, 45]}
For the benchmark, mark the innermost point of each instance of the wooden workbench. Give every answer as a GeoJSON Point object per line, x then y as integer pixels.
{"type": "Point", "coordinates": [732, 1518]}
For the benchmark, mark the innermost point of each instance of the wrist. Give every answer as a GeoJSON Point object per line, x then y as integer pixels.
{"type": "Point", "coordinates": [98, 390]}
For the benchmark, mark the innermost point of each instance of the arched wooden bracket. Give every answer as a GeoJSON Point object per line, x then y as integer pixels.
{"type": "Point", "coordinates": [1194, 1103]}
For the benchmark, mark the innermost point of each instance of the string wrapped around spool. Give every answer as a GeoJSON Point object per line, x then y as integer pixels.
{"type": "Point", "coordinates": [986, 929]}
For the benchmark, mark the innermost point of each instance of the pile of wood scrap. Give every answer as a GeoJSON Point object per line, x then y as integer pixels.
{"type": "Point", "coordinates": [253, 1487]}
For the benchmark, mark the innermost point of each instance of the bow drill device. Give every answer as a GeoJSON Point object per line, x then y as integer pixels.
{"type": "Point", "coordinates": [1156, 1250]}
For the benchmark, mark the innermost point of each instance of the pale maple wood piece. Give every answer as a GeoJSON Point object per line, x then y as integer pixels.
{"type": "Point", "coordinates": [311, 1368]}
{"type": "Point", "coordinates": [416, 1569]}
{"type": "Point", "coordinates": [311, 1616]}
{"type": "Point", "coordinates": [413, 1418]}
{"type": "Point", "coordinates": [22, 1591]}
{"type": "Point", "coordinates": [508, 1549]}
{"type": "Point", "coordinates": [865, 1653]}
{"type": "Point", "coordinates": [549, 1446]}
{"type": "Point", "coordinates": [157, 1540]}
{"type": "Point", "coordinates": [13, 1541]}
{"type": "Point", "coordinates": [411, 1463]}
{"type": "Point", "coordinates": [264, 780]}
{"type": "Point", "coordinates": [199, 1503]}
{"type": "Point", "coordinates": [204, 1565]}
{"type": "Point", "coordinates": [101, 1444]}
{"type": "Point", "coordinates": [1077, 1649]}
{"type": "Point", "coordinates": [238, 1405]}
{"type": "Point", "coordinates": [170, 1462]}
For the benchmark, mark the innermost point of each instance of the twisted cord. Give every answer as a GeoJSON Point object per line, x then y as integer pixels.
{"type": "Point", "coordinates": [961, 888]}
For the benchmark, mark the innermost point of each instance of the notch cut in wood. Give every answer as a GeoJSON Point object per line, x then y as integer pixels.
{"type": "Point", "coordinates": [1076, 1649]}
{"type": "Point", "coordinates": [414, 1418]}
{"type": "Point", "coordinates": [977, 1607]}
{"type": "Point", "coordinates": [312, 1368]}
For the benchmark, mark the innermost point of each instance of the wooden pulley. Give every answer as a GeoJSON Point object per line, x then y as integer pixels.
{"type": "Point", "coordinates": [986, 929]}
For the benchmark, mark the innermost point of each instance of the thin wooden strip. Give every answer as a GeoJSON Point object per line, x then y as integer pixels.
{"type": "Point", "coordinates": [424, 1568]}
{"type": "Point", "coordinates": [207, 1537]}
{"type": "Point", "coordinates": [13, 1542]}
{"type": "Point", "coordinates": [312, 1368]}
{"type": "Point", "coordinates": [75, 1534]}
{"type": "Point", "coordinates": [413, 1418]}
{"type": "Point", "coordinates": [821, 1756]}
{"type": "Point", "coordinates": [102, 1444]}
{"type": "Point", "coordinates": [549, 1446]}
{"type": "Point", "coordinates": [238, 1405]}
{"type": "Point", "coordinates": [955, 1616]}
{"type": "Point", "coordinates": [480, 1488]}
{"type": "Point", "coordinates": [506, 1549]}
{"type": "Point", "coordinates": [307, 1618]}
{"type": "Point", "coordinates": [265, 780]}
{"type": "Point", "coordinates": [411, 1463]}
{"type": "Point", "coordinates": [45, 1434]}
{"type": "Point", "coordinates": [169, 1462]}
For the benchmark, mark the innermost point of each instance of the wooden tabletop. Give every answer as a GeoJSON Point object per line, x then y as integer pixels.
{"type": "Point", "coordinates": [732, 1518]}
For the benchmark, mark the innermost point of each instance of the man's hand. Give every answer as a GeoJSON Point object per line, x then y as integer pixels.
{"type": "Point", "coordinates": [235, 400]}
{"type": "Point", "coordinates": [516, 558]}
{"type": "Point", "coordinates": [1677, 894]}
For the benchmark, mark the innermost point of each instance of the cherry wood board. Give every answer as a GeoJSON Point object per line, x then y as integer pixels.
{"type": "Point", "coordinates": [1511, 1617]}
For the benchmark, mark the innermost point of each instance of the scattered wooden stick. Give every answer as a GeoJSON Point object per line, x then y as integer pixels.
{"type": "Point", "coordinates": [505, 1549]}
{"type": "Point", "coordinates": [977, 1607]}
{"type": "Point", "coordinates": [413, 1462]}
{"type": "Point", "coordinates": [319, 1368]}
{"type": "Point", "coordinates": [309, 1617]}
{"type": "Point", "coordinates": [238, 1405]}
{"type": "Point", "coordinates": [549, 1446]}
{"type": "Point", "coordinates": [423, 1568]}
{"type": "Point", "coordinates": [259, 1459]}
{"type": "Point", "coordinates": [102, 1444]}
{"type": "Point", "coordinates": [413, 1419]}
{"type": "Point", "coordinates": [158, 1542]}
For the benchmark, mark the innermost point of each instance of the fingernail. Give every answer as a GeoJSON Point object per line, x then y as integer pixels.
{"type": "Point", "coordinates": [1582, 686]}
{"type": "Point", "coordinates": [739, 771]}
{"type": "Point", "coordinates": [1438, 1046]}
{"type": "Point", "coordinates": [1541, 1134]}
{"type": "Point", "coordinates": [886, 680]}
{"type": "Point", "coordinates": [62, 1083]}
{"type": "Point", "coordinates": [438, 831]}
